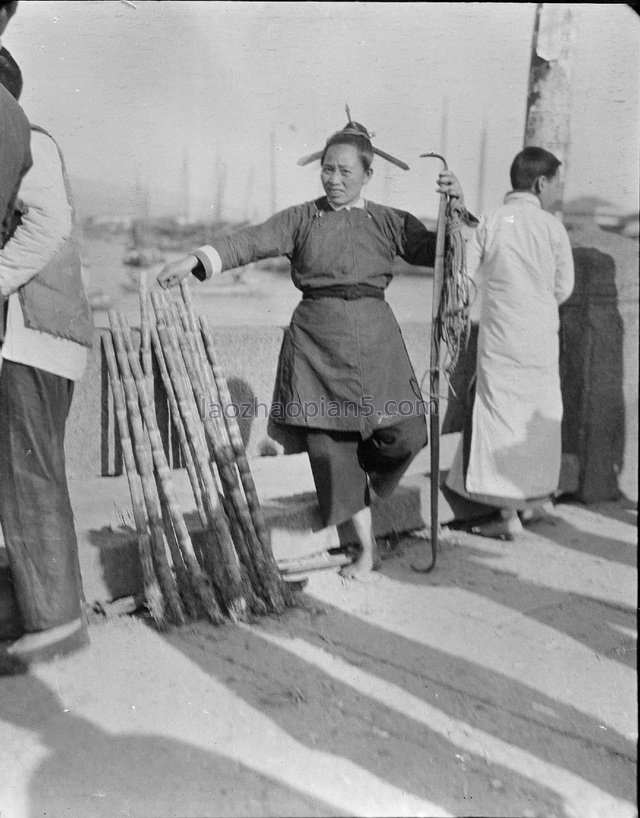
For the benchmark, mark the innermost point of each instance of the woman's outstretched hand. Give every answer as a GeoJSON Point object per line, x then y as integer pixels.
{"type": "Point", "coordinates": [173, 272]}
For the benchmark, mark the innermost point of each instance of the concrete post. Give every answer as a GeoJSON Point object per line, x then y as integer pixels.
{"type": "Point", "coordinates": [599, 366]}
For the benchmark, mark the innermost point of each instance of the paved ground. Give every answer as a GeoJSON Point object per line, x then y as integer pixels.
{"type": "Point", "coordinates": [503, 684]}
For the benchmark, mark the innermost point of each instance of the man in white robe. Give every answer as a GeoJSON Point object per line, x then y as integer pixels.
{"type": "Point", "coordinates": [521, 259]}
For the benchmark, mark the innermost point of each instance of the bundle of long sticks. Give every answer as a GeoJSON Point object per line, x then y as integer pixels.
{"type": "Point", "coordinates": [230, 572]}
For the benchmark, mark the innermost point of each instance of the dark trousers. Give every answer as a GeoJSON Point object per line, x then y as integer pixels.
{"type": "Point", "coordinates": [36, 514]}
{"type": "Point", "coordinates": [344, 465]}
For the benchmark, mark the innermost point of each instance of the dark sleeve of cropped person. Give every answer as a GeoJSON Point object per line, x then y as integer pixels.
{"type": "Point", "coordinates": [15, 155]}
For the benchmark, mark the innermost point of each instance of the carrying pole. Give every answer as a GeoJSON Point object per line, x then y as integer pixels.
{"type": "Point", "coordinates": [434, 378]}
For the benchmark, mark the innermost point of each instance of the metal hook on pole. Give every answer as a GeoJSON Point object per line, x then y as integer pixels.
{"type": "Point", "coordinates": [437, 156]}
{"type": "Point", "coordinates": [434, 378]}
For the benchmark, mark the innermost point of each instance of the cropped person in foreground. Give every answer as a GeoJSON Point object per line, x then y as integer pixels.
{"type": "Point", "coordinates": [344, 377]}
{"type": "Point", "coordinates": [49, 328]}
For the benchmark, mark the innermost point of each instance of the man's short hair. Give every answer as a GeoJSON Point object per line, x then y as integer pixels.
{"type": "Point", "coordinates": [529, 165]}
{"type": "Point", "coordinates": [10, 74]}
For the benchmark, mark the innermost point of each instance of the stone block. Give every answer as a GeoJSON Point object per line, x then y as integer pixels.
{"type": "Point", "coordinates": [599, 365]}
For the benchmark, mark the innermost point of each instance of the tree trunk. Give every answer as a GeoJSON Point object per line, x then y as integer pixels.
{"type": "Point", "coordinates": [549, 95]}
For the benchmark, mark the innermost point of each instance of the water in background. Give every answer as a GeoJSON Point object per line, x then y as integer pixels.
{"type": "Point", "coordinates": [258, 297]}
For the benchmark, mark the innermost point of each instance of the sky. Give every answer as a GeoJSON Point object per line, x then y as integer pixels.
{"type": "Point", "coordinates": [202, 109]}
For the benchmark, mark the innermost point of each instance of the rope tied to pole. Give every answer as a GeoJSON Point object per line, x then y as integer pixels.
{"type": "Point", "coordinates": [453, 321]}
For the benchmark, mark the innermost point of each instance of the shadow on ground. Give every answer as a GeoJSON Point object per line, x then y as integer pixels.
{"type": "Point", "coordinates": [325, 714]}
{"type": "Point", "coordinates": [92, 773]}
{"type": "Point", "coordinates": [596, 623]}
{"type": "Point", "coordinates": [357, 694]}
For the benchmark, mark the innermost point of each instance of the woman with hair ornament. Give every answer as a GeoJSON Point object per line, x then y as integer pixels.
{"type": "Point", "coordinates": [344, 380]}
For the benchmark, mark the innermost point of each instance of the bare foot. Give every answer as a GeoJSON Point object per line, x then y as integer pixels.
{"type": "Point", "coordinates": [537, 514]}
{"type": "Point", "coordinates": [362, 566]}
{"type": "Point", "coordinates": [503, 529]}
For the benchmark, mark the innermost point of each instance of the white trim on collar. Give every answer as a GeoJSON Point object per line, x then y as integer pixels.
{"type": "Point", "coordinates": [359, 203]}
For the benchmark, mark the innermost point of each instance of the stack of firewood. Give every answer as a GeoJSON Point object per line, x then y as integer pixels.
{"type": "Point", "coordinates": [230, 572]}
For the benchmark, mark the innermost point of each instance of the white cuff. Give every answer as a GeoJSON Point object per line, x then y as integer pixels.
{"type": "Point", "coordinates": [209, 258]}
